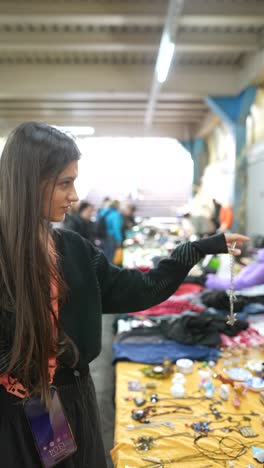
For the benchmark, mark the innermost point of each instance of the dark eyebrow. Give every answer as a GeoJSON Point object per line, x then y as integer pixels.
{"type": "Point", "coordinates": [66, 179]}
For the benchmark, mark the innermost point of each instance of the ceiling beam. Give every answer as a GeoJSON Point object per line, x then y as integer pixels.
{"type": "Point", "coordinates": [113, 96]}
{"type": "Point", "coordinates": [96, 20]}
{"type": "Point", "coordinates": [78, 42]}
{"type": "Point", "coordinates": [224, 21]}
{"type": "Point", "coordinates": [100, 114]}
{"type": "Point", "coordinates": [80, 82]}
{"type": "Point", "coordinates": [228, 7]}
{"type": "Point", "coordinates": [104, 20]}
{"type": "Point", "coordinates": [106, 105]}
{"type": "Point", "coordinates": [198, 13]}
{"type": "Point", "coordinates": [121, 129]}
{"type": "Point", "coordinates": [92, 7]}
{"type": "Point", "coordinates": [52, 42]}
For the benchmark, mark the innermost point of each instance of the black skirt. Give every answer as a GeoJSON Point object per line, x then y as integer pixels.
{"type": "Point", "coordinates": [17, 448]}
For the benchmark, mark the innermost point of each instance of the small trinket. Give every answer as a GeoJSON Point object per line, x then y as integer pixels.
{"type": "Point", "coordinates": [241, 388]}
{"type": "Point", "coordinates": [185, 366]}
{"type": "Point", "coordinates": [129, 398]}
{"type": "Point", "coordinates": [138, 415]}
{"type": "Point", "coordinates": [247, 431]}
{"type": "Point", "coordinates": [211, 363]}
{"type": "Point", "coordinates": [179, 378]}
{"type": "Point", "coordinates": [139, 401]}
{"type": "Point", "coordinates": [131, 427]}
{"type": "Point", "coordinates": [204, 374]}
{"type": "Point", "coordinates": [159, 372]}
{"type": "Point", "coordinates": [214, 411]}
{"type": "Point", "coordinates": [258, 454]}
{"type": "Point", "coordinates": [206, 383]}
{"type": "Point", "coordinates": [224, 380]}
{"type": "Point", "coordinates": [177, 390]}
{"type": "Point", "coordinates": [201, 427]}
{"type": "Point", "coordinates": [224, 392]}
{"type": "Point", "coordinates": [151, 385]}
{"type": "Point", "coordinates": [154, 398]}
{"type": "Point", "coordinates": [236, 402]}
{"type": "Point", "coordinates": [144, 444]}
{"type": "Point", "coordinates": [255, 365]}
{"type": "Point", "coordinates": [209, 389]}
{"type": "Point", "coordinates": [134, 386]}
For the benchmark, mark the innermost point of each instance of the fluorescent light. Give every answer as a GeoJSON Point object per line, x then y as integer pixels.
{"type": "Point", "coordinates": [164, 59]}
{"type": "Point", "coordinates": [78, 131]}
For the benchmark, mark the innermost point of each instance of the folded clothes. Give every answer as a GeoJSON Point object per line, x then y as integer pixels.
{"type": "Point", "coordinates": [220, 300]}
{"type": "Point", "coordinates": [141, 335]}
{"type": "Point", "coordinates": [187, 288]}
{"type": "Point", "coordinates": [171, 306]}
{"type": "Point", "coordinates": [249, 337]}
{"type": "Point", "coordinates": [202, 329]}
{"type": "Point", "coordinates": [253, 291]}
{"type": "Point", "coordinates": [253, 308]}
{"type": "Point", "coordinates": [149, 353]}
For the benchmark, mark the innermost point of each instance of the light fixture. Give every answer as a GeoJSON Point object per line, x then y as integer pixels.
{"type": "Point", "coordinates": [78, 131]}
{"type": "Point", "coordinates": [164, 58]}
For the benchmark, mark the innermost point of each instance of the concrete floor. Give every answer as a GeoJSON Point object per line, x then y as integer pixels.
{"type": "Point", "coordinates": [102, 372]}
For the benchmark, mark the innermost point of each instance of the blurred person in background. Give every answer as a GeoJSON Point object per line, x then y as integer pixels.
{"type": "Point", "coordinates": [104, 208]}
{"type": "Point", "coordinates": [128, 213]}
{"type": "Point", "coordinates": [79, 220]}
{"type": "Point", "coordinates": [216, 214]}
{"type": "Point", "coordinates": [86, 211]}
{"type": "Point", "coordinates": [72, 219]}
{"type": "Point", "coordinates": [226, 217]}
{"type": "Point", "coordinates": [100, 224]}
{"type": "Point", "coordinates": [187, 225]}
{"type": "Point", "coordinates": [114, 231]}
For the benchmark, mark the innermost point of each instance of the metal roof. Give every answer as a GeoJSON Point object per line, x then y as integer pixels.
{"type": "Point", "coordinates": [91, 62]}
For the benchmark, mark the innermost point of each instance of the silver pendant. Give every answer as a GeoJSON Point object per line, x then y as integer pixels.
{"type": "Point", "coordinates": [231, 318]}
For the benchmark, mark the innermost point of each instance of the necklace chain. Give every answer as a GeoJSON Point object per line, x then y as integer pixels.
{"type": "Point", "coordinates": [231, 318]}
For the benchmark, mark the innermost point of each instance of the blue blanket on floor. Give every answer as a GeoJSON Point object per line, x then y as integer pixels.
{"type": "Point", "coordinates": [154, 353]}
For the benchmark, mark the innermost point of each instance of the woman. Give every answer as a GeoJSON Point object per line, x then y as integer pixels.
{"type": "Point", "coordinates": [45, 274]}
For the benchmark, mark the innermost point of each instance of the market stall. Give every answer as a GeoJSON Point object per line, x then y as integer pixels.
{"type": "Point", "coordinates": [220, 429]}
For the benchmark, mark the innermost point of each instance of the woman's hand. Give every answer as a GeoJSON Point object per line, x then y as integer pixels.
{"type": "Point", "coordinates": [236, 239]}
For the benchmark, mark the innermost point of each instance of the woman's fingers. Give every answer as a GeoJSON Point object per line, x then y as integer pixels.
{"type": "Point", "coordinates": [233, 241]}
{"type": "Point", "coordinates": [239, 239]}
{"type": "Point", "coordinates": [234, 251]}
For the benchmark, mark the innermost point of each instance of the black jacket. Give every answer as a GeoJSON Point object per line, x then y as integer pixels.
{"type": "Point", "coordinates": [97, 287]}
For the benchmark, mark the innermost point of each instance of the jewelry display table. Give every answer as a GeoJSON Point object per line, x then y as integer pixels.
{"type": "Point", "coordinates": [199, 432]}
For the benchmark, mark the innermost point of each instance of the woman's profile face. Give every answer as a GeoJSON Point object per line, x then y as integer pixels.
{"type": "Point", "coordinates": [64, 194]}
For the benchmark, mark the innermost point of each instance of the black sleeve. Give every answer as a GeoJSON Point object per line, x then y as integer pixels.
{"type": "Point", "coordinates": [125, 290]}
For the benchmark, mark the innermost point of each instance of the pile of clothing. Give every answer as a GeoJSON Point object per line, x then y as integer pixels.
{"type": "Point", "coordinates": [190, 324]}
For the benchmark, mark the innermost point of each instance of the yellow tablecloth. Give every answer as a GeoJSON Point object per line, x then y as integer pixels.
{"type": "Point", "coordinates": [124, 454]}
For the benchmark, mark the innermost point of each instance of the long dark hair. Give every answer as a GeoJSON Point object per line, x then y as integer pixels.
{"type": "Point", "coordinates": [34, 155]}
